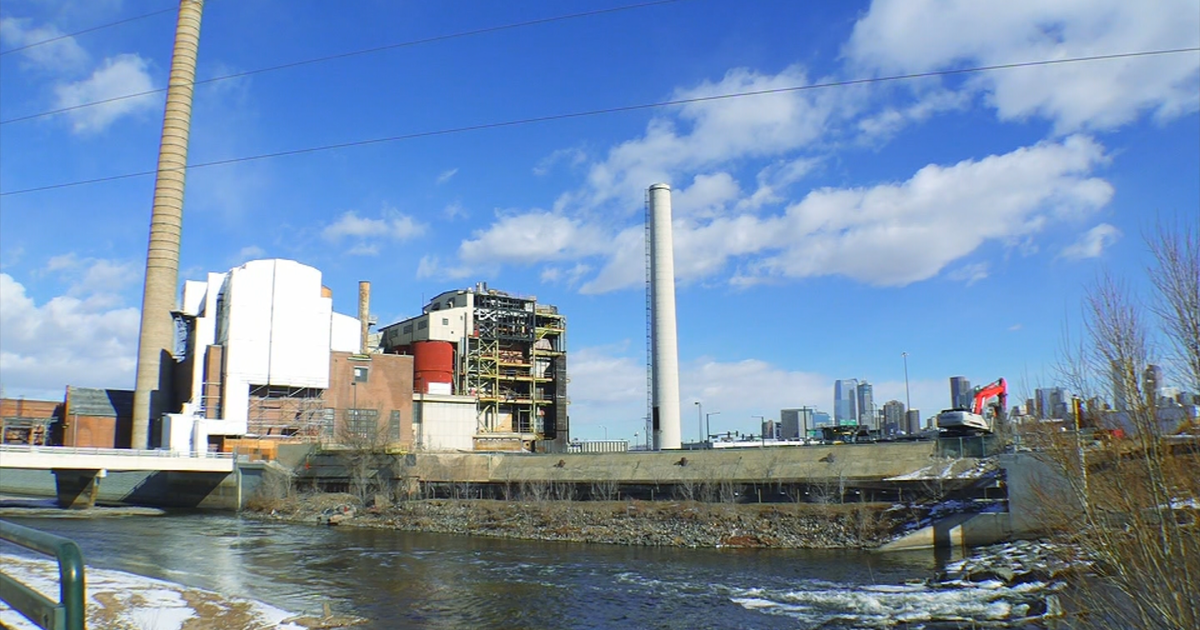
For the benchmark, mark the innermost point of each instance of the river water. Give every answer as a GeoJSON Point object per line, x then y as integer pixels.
{"type": "Point", "coordinates": [407, 580]}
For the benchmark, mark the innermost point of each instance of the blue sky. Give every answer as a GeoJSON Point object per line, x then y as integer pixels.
{"type": "Point", "coordinates": [819, 233]}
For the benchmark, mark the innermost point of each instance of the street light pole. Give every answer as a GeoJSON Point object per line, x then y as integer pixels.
{"type": "Point", "coordinates": [700, 419]}
{"type": "Point", "coordinates": [907, 401]}
{"type": "Point", "coordinates": [605, 432]}
{"type": "Point", "coordinates": [762, 432]}
{"type": "Point", "coordinates": [707, 426]}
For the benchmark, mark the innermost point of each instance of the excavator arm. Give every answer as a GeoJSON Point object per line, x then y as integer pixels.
{"type": "Point", "coordinates": [998, 388]}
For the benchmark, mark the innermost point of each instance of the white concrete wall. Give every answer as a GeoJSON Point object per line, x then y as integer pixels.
{"type": "Point", "coordinates": [345, 334]}
{"type": "Point", "coordinates": [447, 422]}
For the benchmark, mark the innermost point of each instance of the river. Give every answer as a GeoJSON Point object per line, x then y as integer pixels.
{"type": "Point", "coordinates": [407, 580]}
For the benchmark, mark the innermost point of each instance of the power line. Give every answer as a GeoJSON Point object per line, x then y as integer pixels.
{"type": "Point", "coordinates": [353, 53]}
{"type": "Point", "coordinates": [86, 30]}
{"type": "Point", "coordinates": [609, 110]}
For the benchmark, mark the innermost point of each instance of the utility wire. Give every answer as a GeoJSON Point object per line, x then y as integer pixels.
{"type": "Point", "coordinates": [610, 110]}
{"type": "Point", "coordinates": [354, 53]}
{"type": "Point", "coordinates": [86, 30]}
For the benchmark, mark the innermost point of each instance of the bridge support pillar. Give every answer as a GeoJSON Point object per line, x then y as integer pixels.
{"type": "Point", "coordinates": [77, 489]}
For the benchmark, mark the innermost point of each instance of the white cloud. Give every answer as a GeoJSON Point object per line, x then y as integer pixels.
{"type": "Point", "coordinates": [249, 252]}
{"type": "Point", "coordinates": [454, 211]}
{"type": "Point", "coordinates": [446, 175]}
{"type": "Point", "coordinates": [888, 234]}
{"type": "Point", "coordinates": [698, 135]}
{"type": "Point", "coordinates": [119, 76]}
{"type": "Point", "coordinates": [531, 237]}
{"type": "Point", "coordinates": [64, 341]}
{"type": "Point", "coordinates": [572, 157]}
{"type": "Point", "coordinates": [61, 55]}
{"type": "Point", "coordinates": [911, 36]}
{"type": "Point", "coordinates": [98, 280]}
{"type": "Point", "coordinates": [1091, 244]}
{"type": "Point", "coordinates": [970, 273]}
{"type": "Point", "coordinates": [432, 267]}
{"type": "Point", "coordinates": [367, 235]}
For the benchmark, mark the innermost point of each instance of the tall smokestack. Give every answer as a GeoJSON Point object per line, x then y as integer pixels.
{"type": "Point", "coordinates": [364, 315]}
{"type": "Point", "coordinates": [156, 339]}
{"type": "Point", "coordinates": [665, 359]}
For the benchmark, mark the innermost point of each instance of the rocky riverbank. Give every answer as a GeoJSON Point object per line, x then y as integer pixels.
{"type": "Point", "coordinates": [675, 524]}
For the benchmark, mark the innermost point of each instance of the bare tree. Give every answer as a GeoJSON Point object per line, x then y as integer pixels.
{"type": "Point", "coordinates": [361, 445]}
{"type": "Point", "coordinates": [1134, 518]}
{"type": "Point", "coordinates": [1176, 280]}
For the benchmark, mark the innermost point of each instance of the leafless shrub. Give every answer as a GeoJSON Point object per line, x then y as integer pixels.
{"type": "Point", "coordinates": [537, 491]}
{"type": "Point", "coordinates": [1135, 487]}
{"type": "Point", "coordinates": [605, 489]}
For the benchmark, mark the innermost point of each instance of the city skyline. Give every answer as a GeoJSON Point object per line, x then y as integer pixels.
{"type": "Point", "coordinates": [946, 225]}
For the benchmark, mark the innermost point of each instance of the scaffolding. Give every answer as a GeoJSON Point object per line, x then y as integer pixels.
{"type": "Point", "coordinates": [516, 367]}
{"type": "Point", "coordinates": [283, 411]}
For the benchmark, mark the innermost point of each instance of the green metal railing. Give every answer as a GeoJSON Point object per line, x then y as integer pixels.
{"type": "Point", "coordinates": [68, 612]}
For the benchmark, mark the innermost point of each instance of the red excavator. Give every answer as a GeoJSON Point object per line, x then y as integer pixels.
{"type": "Point", "coordinates": [981, 416]}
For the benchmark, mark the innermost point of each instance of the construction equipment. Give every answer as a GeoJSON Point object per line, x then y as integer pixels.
{"type": "Point", "coordinates": [980, 418]}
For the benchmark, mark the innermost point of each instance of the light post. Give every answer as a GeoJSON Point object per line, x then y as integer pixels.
{"type": "Point", "coordinates": [605, 432]}
{"type": "Point", "coordinates": [762, 431]}
{"type": "Point", "coordinates": [700, 420]}
{"type": "Point", "coordinates": [635, 440]}
{"type": "Point", "coordinates": [907, 402]}
{"type": "Point", "coordinates": [707, 426]}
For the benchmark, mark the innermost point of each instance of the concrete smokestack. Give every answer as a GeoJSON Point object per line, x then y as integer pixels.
{"type": "Point", "coordinates": [156, 339]}
{"type": "Point", "coordinates": [665, 346]}
{"type": "Point", "coordinates": [364, 315]}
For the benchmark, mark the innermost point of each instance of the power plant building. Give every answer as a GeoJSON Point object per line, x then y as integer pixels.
{"type": "Point", "coordinates": [504, 353]}
{"type": "Point", "coordinates": [260, 354]}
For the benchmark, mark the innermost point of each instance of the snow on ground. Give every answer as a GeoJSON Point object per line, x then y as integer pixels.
{"type": "Point", "coordinates": [123, 600]}
{"type": "Point", "coordinates": [950, 469]}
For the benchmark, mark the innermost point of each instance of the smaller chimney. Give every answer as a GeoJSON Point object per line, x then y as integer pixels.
{"type": "Point", "coordinates": [364, 315]}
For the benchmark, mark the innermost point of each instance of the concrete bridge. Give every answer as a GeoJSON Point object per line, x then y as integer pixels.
{"type": "Point", "coordinates": [78, 471]}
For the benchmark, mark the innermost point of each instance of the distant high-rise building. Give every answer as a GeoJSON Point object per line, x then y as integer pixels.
{"type": "Point", "coordinates": [845, 402]}
{"type": "Point", "coordinates": [770, 430]}
{"type": "Point", "coordinates": [961, 394]}
{"type": "Point", "coordinates": [1123, 379]}
{"type": "Point", "coordinates": [866, 404]}
{"type": "Point", "coordinates": [1053, 403]}
{"type": "Point", "coordinates": [913, 420]}
{"type": "Point", "coordinates": [893, 415]}
{"type": "Point", "coordinates": [821, 419]}
{"type": "Point", "coordinates": [1152, 384]}
{"type": "Point", "coordinates": [794, 422]}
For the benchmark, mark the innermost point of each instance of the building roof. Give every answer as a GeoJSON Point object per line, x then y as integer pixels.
{"type": "Point", "coordinates": [107, 403]}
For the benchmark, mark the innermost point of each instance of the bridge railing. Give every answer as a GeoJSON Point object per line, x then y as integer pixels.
{"type": "Point", "coordinates": [68, 612]}
{"type": "Point", "coordinates": [121, 452]}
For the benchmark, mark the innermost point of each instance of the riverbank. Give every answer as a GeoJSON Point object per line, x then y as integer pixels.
{"type": "Point", "coordinates": [672, 524]}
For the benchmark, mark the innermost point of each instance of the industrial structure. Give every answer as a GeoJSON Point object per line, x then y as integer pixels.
{"type": "Point", "coordinates": [152, 393]}
{"type": "Point", "coordinates": [505, 355]}
{"type": "Point", "coordinates": [664, 354]}
{"type": "Point", "coordinates": [262, 355]}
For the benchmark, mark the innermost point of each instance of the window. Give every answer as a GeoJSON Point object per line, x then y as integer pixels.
{"type": "Point", "coordinates": [362, 423]}
{"type": "Point", "coordinates": [423, 324]}
{"type": "Point", "coordinates": [394, 425]}
{"type": "Point", "coordinates": [360, 374]}
{"type": "Point", "coordinates": [445, 321]}
{"type": "Point", "coordinates": [408, 329]}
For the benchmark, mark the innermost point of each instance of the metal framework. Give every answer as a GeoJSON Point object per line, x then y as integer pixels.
{"type": "Point", "coordinates": [516, 366]}
{"type": "Point", "coordinates": [300, 412]}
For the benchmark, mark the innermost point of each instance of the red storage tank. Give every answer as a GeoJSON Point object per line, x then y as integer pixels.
{"type": "Point", "coordinates": [433, 367]}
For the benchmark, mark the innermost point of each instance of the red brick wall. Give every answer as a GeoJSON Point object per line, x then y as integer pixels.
{"type": "Point", "coordinates": [388, 388]}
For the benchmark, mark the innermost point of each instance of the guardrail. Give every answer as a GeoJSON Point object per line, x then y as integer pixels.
{"type": "Point", "coordinates": [68, 612]}
{"type": "Point", "coordinates": [121, 452]}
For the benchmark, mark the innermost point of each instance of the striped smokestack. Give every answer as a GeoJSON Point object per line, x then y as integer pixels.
{"type": "Point", "coordinates": [152, 394]}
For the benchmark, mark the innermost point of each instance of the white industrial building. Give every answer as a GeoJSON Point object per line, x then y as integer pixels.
{"type": "Point", "coordinates": [266, 328]}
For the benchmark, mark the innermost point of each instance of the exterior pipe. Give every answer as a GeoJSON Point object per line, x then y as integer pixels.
{"type": "Point", "coordinates": [152, 393]}
{"type": "Point", "coordinates": [665, 352]}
